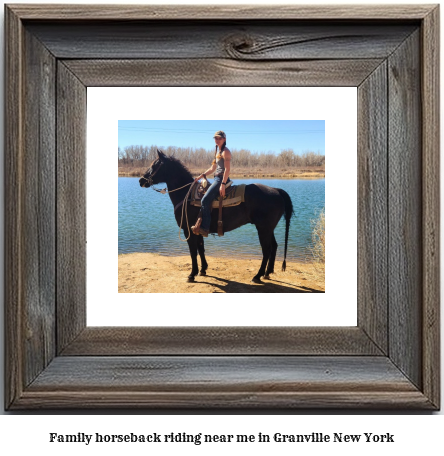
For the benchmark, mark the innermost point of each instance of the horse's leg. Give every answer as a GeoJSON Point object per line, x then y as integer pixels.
{"type": "Point", "coordinates": [270, 266]}
{"type": "Point", "coordinates": [192, 244]}
{"type": "Point", "coordinates": [266, 243]}
{"type": "Point", "coordinates": [201, 250]}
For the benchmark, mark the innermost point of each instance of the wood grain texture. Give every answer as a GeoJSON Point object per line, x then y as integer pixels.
{"type": "Point", "coordinates": [202, 381]}
{"type": "Point", "coordinates": [204, 72]}
{"type": "Point", "coordinates": [38, 222]}
{"type": "Point", "coordinates": [127, 341]}
{"type": "Point", "coordinates": [405, 209]}
{"type": "Point", "coordinates": [258, 40]}
{"type": "Point", "coordinates": [13, 209]}
{"type": "Point", "coordinates": [246, 401]}
{"type": "Point", "coordinates": [71, 206]}
{"type": "Point", "coordinates": [373, 207]}
{"type": "Point", "coordinates": [227, 12]}
{"type": "Point", "coordinates": [209, 373]}
{"type": "Point", "coordinates": [430, 93]}
{"type": "Point", "coordinates": [89, 373]}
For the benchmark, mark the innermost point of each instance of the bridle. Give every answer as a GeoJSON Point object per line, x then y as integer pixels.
{"type": "Point", "coordinates": [150, 179]}
{"type": "Point", "coordinates": [163, 191]}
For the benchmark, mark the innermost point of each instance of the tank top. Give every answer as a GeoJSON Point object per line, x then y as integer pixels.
{"type": "Point", "coordinates": [220, 164]}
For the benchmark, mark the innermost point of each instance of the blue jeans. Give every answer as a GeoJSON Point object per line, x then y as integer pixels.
{"type": "Point", "coordinates": [207, 202]}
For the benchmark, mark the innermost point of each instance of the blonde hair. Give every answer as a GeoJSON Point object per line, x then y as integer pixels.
{"type": "Point", "coordinates": [218, 156]}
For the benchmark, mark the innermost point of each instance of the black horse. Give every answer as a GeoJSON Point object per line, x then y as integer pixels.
{"type": "Point", "coordinates": [263, 206]}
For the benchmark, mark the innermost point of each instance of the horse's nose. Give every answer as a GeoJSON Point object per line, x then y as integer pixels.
{"type": "Point", "coordinates": [142, 181]}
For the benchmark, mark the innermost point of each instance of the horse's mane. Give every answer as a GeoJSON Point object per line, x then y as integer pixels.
{"type": "Point", "coordinates": [178, 167]}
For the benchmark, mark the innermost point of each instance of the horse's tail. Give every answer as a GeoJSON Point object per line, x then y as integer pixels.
{"type": "Point", "coordinates": [288, 205]}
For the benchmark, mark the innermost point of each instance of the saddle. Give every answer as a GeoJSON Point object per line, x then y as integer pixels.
{"type": "Point", "coordinates": [234, 195]}
{"type": "Point", "coordinates": [201, 189]}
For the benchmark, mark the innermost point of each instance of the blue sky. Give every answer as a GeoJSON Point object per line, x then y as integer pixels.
{"type": "Point", "coordinates": [255, 135]}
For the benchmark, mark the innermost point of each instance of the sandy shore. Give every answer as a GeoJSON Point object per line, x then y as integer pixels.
{"type": "Point", "coordinates": [153, 273]}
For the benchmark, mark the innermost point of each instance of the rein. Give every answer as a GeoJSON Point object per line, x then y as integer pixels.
{"type": "Point", "coordinates": [184, 208]}
{"type": "Point", "coordinates": [165, 191]}
{"type": "Point", "coordinates": [184, 202]}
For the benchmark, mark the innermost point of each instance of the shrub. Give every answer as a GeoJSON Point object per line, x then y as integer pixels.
{"type": "Point", "coordinates": [318, 238]}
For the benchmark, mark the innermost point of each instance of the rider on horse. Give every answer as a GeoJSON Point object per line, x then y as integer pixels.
{"type": "Point", "coordinates": [222, 165]}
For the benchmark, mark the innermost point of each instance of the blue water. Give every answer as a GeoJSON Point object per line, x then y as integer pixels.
{"type": "Point", "coordinates": [147, 223]}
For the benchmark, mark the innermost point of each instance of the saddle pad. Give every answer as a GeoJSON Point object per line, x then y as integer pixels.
{"type": "Point", "coordinates": [236, 197]}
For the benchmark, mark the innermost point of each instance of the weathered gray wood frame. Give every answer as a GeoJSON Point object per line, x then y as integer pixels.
{"type": "Point", "coordinates": [390, 360]}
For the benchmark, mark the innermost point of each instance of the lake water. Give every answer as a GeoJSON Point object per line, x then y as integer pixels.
{"type": "Point", "coordinates": [147, 223]}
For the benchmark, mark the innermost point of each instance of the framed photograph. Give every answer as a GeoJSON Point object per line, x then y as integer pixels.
{"type": "Point", "coordinates": [153, 259]}
{"type": "Point", "coordinates": [56, 55]}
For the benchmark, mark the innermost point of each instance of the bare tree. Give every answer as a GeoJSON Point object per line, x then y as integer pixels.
{"type": "Point", "coordinates": [139, 156]}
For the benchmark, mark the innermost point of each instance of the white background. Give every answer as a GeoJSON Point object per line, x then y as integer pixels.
{"type": "Point", "coordinates": [336, 307]}
{"type": "Point", "coordinates": [417, 433]}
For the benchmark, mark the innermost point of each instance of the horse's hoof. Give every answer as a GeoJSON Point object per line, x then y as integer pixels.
{"type": "Point", "coordinates": [266, 277]}
{"type": "Point", "coordinates": [190, 279]}
{"type": "Point", "coordinates": [256, 280]}
{"type": "Point", "coordinates": [203, 273]}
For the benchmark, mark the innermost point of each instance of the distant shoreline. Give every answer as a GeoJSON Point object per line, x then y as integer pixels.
{"type": "Point", "coordinates": [288, 174]}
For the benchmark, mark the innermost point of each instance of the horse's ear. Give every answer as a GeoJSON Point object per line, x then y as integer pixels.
{"type": "Point", "coordinates": [161, 155]}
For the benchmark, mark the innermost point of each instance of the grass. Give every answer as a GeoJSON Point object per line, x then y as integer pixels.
{"type": "Point", "coordinates": [318, 238]}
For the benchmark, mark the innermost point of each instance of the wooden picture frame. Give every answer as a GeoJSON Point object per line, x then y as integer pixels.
{"type": "Point", "coordinates": [390, 360]}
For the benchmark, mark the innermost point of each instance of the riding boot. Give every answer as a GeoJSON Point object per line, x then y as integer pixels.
{"type": "Point", "coordinates": [203, 232]}
{"type": "Point", "coordinates": [195, 228]}
{"type": "Point", "coordinates": [198, 230]}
